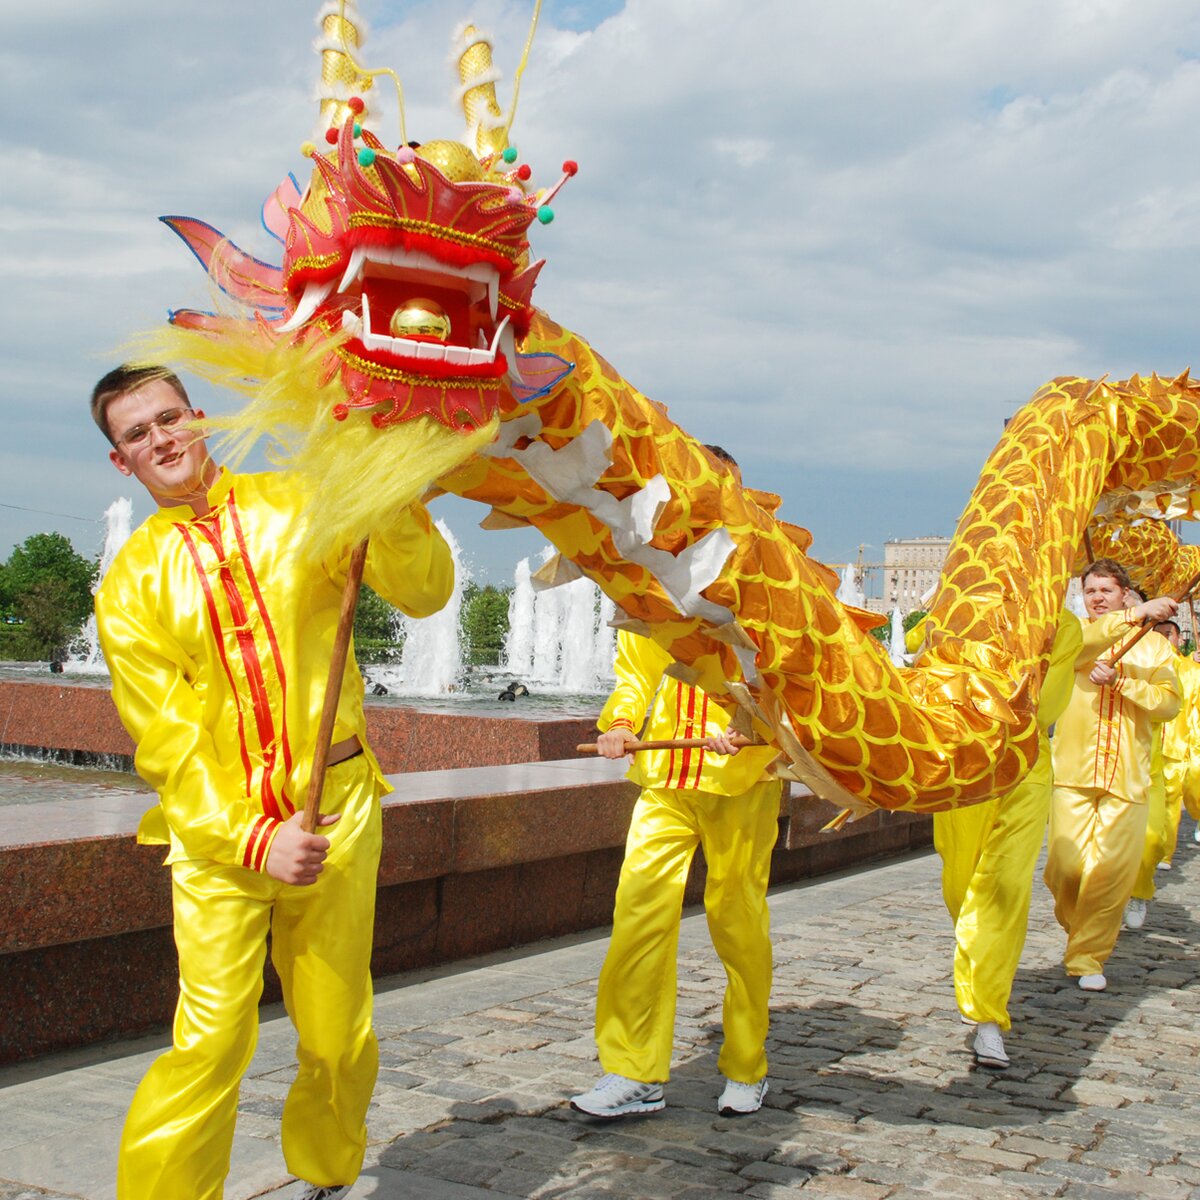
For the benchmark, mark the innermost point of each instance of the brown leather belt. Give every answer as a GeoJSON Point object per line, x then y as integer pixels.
{"type": "Point", "coordinates": [340, 751]}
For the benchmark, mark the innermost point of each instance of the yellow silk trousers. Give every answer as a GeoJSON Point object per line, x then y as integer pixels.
{"type": "Point", "coordinates": [1191, 795]}
{"type": "Point", "coordinates": [1155, 844]}
{"type": "Point", "coordinates": [178, 1135]}
{"type": "Point", "coordinates": [1173, 777]}
{"type": "Point", "coordinates": [1096, 845]}
{"type": "Point", "coordinates": [635, 1002]}
{"type": "Point", "coordinates": [989, 852]}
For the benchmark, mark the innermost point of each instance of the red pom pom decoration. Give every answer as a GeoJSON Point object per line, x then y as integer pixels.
{"type": "Point", "coordinates": [340, 412]}
{"type": "Point", "coordinates": [355, 104]}
{"type": "Point", "coordinates": [331, 136]}
{"type": "Point", "coordinates": [570, 167]}
{"type": "Point", "coordinates": [524, 171]}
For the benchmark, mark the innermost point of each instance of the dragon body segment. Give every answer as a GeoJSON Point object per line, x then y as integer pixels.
{"type": "Point", "coordinates": [694, 560]}
{"type": "Point", "coordinates": [401, 326]}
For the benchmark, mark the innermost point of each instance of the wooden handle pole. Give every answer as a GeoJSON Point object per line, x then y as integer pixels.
{"type": "Point", "coordinates": [1149, 625]}
{"type": "Point", "coordinates": [664, 744]}
{"type": "Point", "coordinates": [333, 687]}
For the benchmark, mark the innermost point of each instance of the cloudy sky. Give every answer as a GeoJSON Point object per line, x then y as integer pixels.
{"type": "Point", "coordinates": [844, 240]}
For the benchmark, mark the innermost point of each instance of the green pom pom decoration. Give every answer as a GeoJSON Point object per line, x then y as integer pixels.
{"type": "Point", "coordinates": [510, 154]}
{"type": "Point", "coordinates": [357, 129]}
{"type": "Point", "coordinates": [545, 215]}
{"type": "Point", "coordinates": [366, 156]}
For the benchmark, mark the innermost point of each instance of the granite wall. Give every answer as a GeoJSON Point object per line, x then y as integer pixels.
{"type": "Point", "coordinates": [76, 722]}
{"type": "Point", "coordinates": [475, 858]}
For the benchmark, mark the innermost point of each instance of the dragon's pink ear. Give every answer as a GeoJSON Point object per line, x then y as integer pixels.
{"type": "Point", "coordinates": [275, 207]}
{"type": "Point", "coordinates": [235, 272]}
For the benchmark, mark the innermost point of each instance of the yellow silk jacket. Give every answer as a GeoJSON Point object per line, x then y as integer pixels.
{"type": "Point", "coordinates": [218, 639]}
{"type": "Point", "coordinates": [1103, 740]}
{"type": "Point", "coordinates": [1059, 679]}
{"type": "Point", "coordinates": [1181, 736]}
{"type": "Point", "coordinates": [679, 711]}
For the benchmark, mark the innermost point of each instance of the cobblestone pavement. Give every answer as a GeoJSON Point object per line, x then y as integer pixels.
{"type": "Point", "coordinates": [873, 1090]}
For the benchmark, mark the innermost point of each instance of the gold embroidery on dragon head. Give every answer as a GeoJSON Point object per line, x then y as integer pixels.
{"type": "Point", "coordinates": [408, 267]}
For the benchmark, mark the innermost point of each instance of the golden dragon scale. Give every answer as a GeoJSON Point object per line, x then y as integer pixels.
{"type": "Point", "coordinates": [1147, 547]}
{"type": "Point", "coordinates": [957, 726]}
{"type": "Point", "coordinates": [397, 346]}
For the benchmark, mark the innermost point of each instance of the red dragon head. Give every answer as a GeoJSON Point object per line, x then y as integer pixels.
{"type": "Point", "coordinates": [412, 264]}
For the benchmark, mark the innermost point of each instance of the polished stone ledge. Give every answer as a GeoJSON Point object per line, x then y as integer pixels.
{"type": "Point", "coordinates": [474, 859]}
{"type": "Point", "coordinates": [76, 722]}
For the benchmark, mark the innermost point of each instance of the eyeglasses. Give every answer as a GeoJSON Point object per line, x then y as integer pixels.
{"type": "Point", "coordinates": [139, 435]}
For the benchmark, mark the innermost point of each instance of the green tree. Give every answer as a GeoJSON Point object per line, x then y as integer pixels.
{"type": "Point", "coordinates": [47, 628]}
{"type": "Point", "coordinates": [484, 622]}
{"type": "Point", "coordinates": [48, 587]}
{"type": "Point", "coordinates": [374, 618]}
{"type": "Point", "coordinates": [375, 637]}
{"type": "Point", "coordinates": [49, 556]}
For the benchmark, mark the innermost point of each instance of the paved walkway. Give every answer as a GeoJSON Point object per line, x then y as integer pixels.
{"type": "Point", "coordinates": [874, 1093]}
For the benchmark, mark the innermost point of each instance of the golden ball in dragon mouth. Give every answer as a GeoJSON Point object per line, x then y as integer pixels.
{"type": "Point", "coordinates": [420, 317]}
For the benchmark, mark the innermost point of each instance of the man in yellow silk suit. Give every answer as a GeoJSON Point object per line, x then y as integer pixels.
{"type": "Point", "coordinates": [1169, 767]}
{"type": "Point", "coordinates": [989, 852]}
{"type": "Point", "coordinates": [1191, 773]}
{"type": "Point", "coordinates": [1101, 750]}
{"type": "Point", "coordinates": [218, 636]}
{"type": "Point", "coordinates": [1181, 741]}
{"type": "Point", "coordinates": [689, 797]}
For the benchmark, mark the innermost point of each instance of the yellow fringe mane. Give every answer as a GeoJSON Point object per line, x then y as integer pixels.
{"type": "Point", "coordinates": [358, 477]}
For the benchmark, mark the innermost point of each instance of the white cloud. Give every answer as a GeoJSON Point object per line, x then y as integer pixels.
{"type": "Point", "coordinates": [846, 240]}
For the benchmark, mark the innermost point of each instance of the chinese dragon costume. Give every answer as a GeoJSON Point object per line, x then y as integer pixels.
{"type": "Point", "coordinates": [396, 350]}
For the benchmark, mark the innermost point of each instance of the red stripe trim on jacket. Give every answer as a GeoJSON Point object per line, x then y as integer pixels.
{"type": "Point", "coordinates": [269, 626]}
{"type": "Point", "coordinates": [215, 622]}
{"type": "Point", "coordinates": [256, 844]}
{"type": "Point", "coordinates": [672, 760]}
{"type": "Point", "coordinates": [264, 719]}
{"type": "Point", "coordinates": [699, 730]}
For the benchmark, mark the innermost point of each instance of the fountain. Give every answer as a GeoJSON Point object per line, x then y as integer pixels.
{"type": "Point", "coordinates": [896, 647]}
{"type": "Point", "coordinates": [849, 591]}
{"type": "Point", "coordinates": [431, 661]}
{"type": "Point", "coordinates": [85, 657]}
{"type": "Point", "coordinates": [498, 832]}
{"type": "Point", "coordinates": [559, 639]}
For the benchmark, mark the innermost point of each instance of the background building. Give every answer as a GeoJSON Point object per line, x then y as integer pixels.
{"type": "Point", "coordinates": [910, 567]}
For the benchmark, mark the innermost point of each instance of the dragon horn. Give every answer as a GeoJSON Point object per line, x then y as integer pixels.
{"type": "Point", "coordinates": [486, 127]}
{"type": "Point", "coordinates": [342, 33]}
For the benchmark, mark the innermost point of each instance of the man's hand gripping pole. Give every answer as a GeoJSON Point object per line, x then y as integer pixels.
{"type": "Point", "coordinates": [1149, 625]}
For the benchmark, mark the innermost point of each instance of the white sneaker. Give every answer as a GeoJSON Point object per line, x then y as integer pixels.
{"type": "Point", "coordinates": [1165, 865]}
{"type": "Point", "coordinates": [616, 1096]}
{"type": "Point", "coordinates": [967, 1020]}
{"type": "Point", "coordinates": [315, 1191]}
{"type": "Point", "coordinates": [1135, 913]}
{"type": "Point", "coordinates": [989, 1045]}
{"type": "Point", "coordinates": [741, 1099]}
{"type": "Point", "coordinates": [1093, 983]}
{"type": "Point", "coordinates": [1196, 833]}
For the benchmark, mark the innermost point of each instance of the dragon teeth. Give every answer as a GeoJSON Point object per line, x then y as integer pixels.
{"type": "Point", "coordinates": [358, 256]}
{"type": "Point", "coordinates": [314, 295]}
